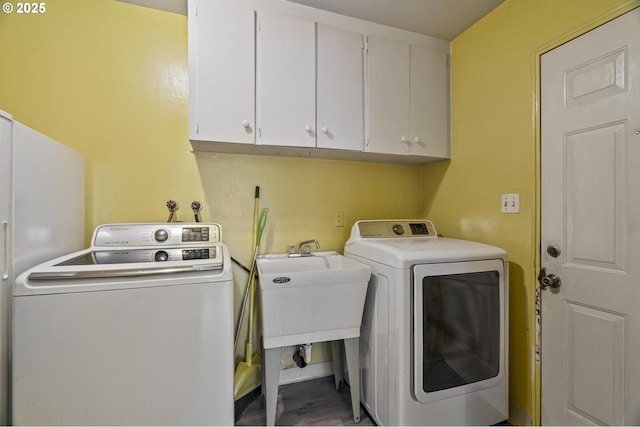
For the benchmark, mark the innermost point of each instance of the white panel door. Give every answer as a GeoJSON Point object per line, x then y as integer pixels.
{"type": "Point", "coordinates": [388, 89]}
{"type": "Point", "coordinates": [221, 72]}
{"type": "Point", "coordinates": [340, 98]}
{"type": "Point", "coordinates": [286, 81]}
{"type": "Point", "coordinates": [6, 272]}
{"type": "Point", "coordinates": [429, 99]}
{"type": "Point", "coordinates": [591, 227]}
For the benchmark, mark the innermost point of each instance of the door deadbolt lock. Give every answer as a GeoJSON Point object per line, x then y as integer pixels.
{"type": "Point", "coordinates": [548, 280]}
{"type": "Point", "coordinates": [553, 251]}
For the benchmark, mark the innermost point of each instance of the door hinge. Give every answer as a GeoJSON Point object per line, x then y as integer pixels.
{"type": "Point", "coordinates": [366, 141]}
{"type": "Point", "coordinates": [197, 128]}
{"type": "Point", "coordinates": [365, 44]}
{"type": "Point", "coordinates": [196, 10]}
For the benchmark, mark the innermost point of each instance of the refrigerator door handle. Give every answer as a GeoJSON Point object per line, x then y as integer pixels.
{"type": "Point", "coordinates": [5, 250]}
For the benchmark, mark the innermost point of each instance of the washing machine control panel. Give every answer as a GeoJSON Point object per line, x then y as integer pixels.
{"type": "Point", "coordinates": [396, 229]}
{"type": "Point", "coordinates": [156, 234]}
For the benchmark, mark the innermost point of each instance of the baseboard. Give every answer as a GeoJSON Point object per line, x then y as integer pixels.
{"type": "Point", "coordinates": [309, 372]}
{"type": "Point", "coordinates": [518, 416]}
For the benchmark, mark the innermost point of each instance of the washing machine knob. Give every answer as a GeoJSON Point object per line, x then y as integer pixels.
{"type": "Point", "coordinates": [161, 256]}
{"type": "Point", "coordinates": [161, 235]}
{"type": "Point", "coordinates": [398, 229]}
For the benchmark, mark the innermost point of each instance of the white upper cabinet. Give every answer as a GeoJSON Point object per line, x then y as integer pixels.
{"type": "Point", "coordinates": [388, 89]}
{"type": "Point", "coordinates": [221, 71]}
{"type": "Point", "coordinates": [285, 75]}
{"type": "Point", "coordinates": [340, 97]}
{"type": "Point", "coordinates": [309, 84]}
{"type": "Point", "coordinates": [408, 91]}
{"type": "Point", "coordinates": [277, 78]}
{"type": "Point", "coordinates": [429, 99]}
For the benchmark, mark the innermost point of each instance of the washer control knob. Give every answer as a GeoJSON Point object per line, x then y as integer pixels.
{"type": "Point", "coordinates": [161, 235]}
{"type": "Point", "coordinates": [161, 256]}
{"type": "Point", "coordinates": [398, 229]}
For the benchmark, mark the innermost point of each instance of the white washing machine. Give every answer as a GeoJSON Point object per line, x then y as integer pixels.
{"type": "Point", "coordinates": [434, 335]}
{"type": "Point", "coordinates": [135, 330]}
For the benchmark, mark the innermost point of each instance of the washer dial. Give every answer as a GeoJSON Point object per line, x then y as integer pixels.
{"type": "Point", "coordinates": [161, 235]}
{"type": "Point", "coordinates": [161, 256]}
{"type": "Point", "coordinates": [398, 229]}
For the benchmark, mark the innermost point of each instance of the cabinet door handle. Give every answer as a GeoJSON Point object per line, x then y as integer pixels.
{"type": "Point", "coordinates": [416, 139]}
{"type": "Point", "coordinates": [325, 129]}
{"type": "Point", "coordinates": [308, 128]}
{"type": "Point", "coordinates": [404, 139]}
{"type": "Point", "coordinates": [245, 124]}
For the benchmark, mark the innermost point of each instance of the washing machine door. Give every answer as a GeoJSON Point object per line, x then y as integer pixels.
{"type": "Point", "coordinates": [459, 328]}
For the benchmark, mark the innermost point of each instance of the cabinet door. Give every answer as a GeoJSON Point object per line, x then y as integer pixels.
{"type": "Point", "coordinates": [388, 89]}
{"type": "Point", "coordinates": [221, 71]}
{"type": "Point", "coordinates": [429, 102]}
{"type": "Point", "coordinates": [285, 96]}
{"type": "Point", "coordinates": [339, 97]}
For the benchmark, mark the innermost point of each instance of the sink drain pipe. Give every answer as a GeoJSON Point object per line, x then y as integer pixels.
{"type": "Point", "coordinates": [302, 356]}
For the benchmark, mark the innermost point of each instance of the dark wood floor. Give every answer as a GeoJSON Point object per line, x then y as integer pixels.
{"type": "Point", "coordinates": [310, 403]}
{"type": "Point", "coordinates": [313, 402]}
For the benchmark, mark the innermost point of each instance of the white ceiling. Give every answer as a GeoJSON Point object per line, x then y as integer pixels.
{"type": "Point", "coordinates": [443, 19]}
{"type": "Point", "coordinates": [174, 6]}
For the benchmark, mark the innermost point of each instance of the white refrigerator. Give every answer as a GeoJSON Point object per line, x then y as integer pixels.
{"type": "Point", "coordinates": [42, 214]}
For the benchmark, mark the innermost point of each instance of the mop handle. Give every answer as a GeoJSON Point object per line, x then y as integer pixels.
{"type": "Point", "coordinates": [252, 279]}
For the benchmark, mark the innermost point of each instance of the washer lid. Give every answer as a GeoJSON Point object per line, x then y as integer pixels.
{"type": "Point", "coordinates": [92, 270]}
{"type": "Point", "coordinates": [129, 262]}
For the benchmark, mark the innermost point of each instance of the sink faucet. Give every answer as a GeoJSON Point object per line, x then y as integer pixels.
{"type": "Point", "coordinates": [304, 248]}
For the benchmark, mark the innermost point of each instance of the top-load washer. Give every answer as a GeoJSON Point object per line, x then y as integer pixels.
{"type": "Point", "coordinates": [135, 330]}
{"type": "Point", "coordinates": [434, 335]}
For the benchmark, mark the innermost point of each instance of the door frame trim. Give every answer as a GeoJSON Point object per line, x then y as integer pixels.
{"type": "Point", "coordinates": [537, 127]}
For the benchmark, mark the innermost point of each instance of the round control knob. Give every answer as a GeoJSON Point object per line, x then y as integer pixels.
{"type": "Point", "coordinates": [398, 229]}
{"type": "Point", "coordinates": [161, 256]}
{"type": "Point", "coordinates": [161, 235]}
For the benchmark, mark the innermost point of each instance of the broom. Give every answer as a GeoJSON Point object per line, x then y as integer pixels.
{"type": "Point", "coordinates": [247, 376]}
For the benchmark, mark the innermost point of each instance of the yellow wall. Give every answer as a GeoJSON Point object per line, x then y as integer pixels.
{"type": "Point", "coordinates": [494, 151]}
{"type": "Point", "coordinates": [110, 80]}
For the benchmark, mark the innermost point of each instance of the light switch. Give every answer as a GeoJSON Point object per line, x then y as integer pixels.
{"type": "Point", "coordinates": [510, 203]}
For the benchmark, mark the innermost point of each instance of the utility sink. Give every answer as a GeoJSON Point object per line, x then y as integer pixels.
{"type": "Point", "coordinates": [311, 298]}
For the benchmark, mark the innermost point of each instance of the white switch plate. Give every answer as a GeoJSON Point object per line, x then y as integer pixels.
{"type": "Point", "coordinates": [510, 203]}
{"type": "Point", "coordinates": [339, 220]}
